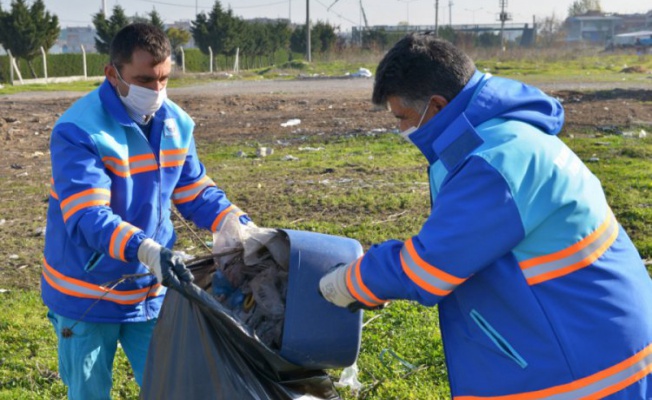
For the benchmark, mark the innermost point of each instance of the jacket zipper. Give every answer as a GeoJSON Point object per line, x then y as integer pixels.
{"type": "Point", "coordinates": [160, 209]}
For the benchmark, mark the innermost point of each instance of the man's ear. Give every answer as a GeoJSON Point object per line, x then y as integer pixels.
{"type": "Point", "coordinates": [109, 73]}
{"type": "Point", "coordinates": [438, 102]}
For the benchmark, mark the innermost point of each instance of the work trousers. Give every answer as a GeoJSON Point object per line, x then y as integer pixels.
{"type": "Point", "coordinates": [86, 356]}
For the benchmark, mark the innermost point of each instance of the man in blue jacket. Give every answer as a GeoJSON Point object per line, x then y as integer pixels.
{"type": "Point", "coordinates": [121, 157]}
{"type": "Point", "coordinates": [541, 293]}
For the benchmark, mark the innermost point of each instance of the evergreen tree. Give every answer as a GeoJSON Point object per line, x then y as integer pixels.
{"type": "Point", "coordinates": [155, 19]}
{"type": "Point", "coordinates": [107, 28]}
{"type": "Point", "coordinates": [24, 30]}
{"type": "Point", "coordinates": [219, 29]}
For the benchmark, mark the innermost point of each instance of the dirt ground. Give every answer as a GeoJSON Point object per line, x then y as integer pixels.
{"type": "Point", "coordinates": [236, 112]}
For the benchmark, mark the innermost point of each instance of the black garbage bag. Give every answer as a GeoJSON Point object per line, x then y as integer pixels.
{"type": "Point", "coordinates": [199, 351]}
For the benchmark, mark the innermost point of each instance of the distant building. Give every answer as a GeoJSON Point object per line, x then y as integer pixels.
{"type": "Point", "coordinates": [71, 39]}
{"type": "Point", "coordinates": [596, 29]}
{"type": "Point", "coordinates": [599, 28]}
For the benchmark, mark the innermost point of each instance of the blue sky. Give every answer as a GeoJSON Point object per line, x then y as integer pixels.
{"type": "Point", "coordinates": [345, 13]}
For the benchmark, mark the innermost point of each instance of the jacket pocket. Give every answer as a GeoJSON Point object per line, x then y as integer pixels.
{"type": "Point", "coordinates": [500, 342]}
{"type": "Point", "coordinates": [93, 261]}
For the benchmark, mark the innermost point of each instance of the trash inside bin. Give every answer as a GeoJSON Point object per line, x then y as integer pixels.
{"type": "Point", "coordinates": [201, 350]}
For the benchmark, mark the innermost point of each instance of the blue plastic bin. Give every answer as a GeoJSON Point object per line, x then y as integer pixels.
{"type": "Point", "coordinates": [317, 334]}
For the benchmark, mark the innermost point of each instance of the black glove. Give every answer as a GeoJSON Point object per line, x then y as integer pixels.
{"type": "Point", "coordinates": [167, 266]}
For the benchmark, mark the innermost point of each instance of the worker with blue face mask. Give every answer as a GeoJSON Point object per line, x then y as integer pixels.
{"type": "Point", "coordinates": [541, 294]}
{"type": "Point", "coordinates": [122, 156]}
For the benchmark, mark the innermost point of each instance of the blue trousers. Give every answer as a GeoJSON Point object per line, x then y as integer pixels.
{"type": "Point", "coordinates": [86, 357]}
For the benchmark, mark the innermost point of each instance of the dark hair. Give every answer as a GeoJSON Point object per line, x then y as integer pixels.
{"type": "Point", "coordinates": [139, 36]}
{"type": "Point", "coordinates": [420, 66]}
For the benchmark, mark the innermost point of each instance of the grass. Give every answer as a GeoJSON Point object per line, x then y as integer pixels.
{"type": "Point", "coordinates": [530, 65]}
{"type": "Point", "coordinates": [340, 190]}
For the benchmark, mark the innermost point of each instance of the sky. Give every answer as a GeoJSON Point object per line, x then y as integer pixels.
{"type": "Point", "coordinates": [342, 13]}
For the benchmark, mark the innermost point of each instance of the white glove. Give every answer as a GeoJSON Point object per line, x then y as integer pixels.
{"type": "Point", "coordinates": [149, 253]}
{"type": "Point", "coordinates": [167, 266]}
{"type": "Point", "coordinates": [333, 287]}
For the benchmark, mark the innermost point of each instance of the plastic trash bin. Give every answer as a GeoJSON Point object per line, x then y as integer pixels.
{"type": "Point", "coordinates": [317, 334]}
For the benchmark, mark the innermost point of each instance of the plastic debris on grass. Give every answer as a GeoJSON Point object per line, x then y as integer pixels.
{"type": "Point", "coordinates": [291, 122]}
{"type": "Point", "coordinates": [361, 73]}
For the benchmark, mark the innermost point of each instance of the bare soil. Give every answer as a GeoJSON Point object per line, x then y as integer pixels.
{"type": "Point", "coordinates": [232, 113]}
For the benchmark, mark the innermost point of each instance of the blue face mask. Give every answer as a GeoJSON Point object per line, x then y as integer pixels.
{"type": "Point", "coordinates": [406, 133]}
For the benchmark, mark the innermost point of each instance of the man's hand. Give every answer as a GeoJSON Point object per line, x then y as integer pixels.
{"type": "Point", "coordinates": [168, 267]}
{"type": "Point", "coordinates": [332, 287]}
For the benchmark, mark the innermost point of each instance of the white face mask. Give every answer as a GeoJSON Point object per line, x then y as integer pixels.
{"type": "Point", "coordinates": [141, 102]}
{"type": "Point", "coordinates": [406, 133]}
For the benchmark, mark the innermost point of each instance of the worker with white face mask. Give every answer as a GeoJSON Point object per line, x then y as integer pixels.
{"type": "Point", "coordinates": [121, 157]}
{"type": "Point", "coordinates": [541, 294]}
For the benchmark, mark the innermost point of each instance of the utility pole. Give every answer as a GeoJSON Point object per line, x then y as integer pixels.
{"type": "Point", "coordinates": [290, 12]}
{"type": "Point", "coordinates": [450, 13]}
{"type": "Point", "coordinates": [104, 8]}
{"type": "Point", "coordinates": [196, 9]}
{"type": "Point", "coordinates": [436, 18]}
{"type": "Point", "coordinates": [504, 16]}
{"type": "Point", "coordinates": [308, 51]}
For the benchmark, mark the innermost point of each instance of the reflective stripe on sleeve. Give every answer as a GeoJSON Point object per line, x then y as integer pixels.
{"type": "Point", "coordinates": [188, 193]}
{"type": "Point", "coordinates": [596, 386]}
{"type": "Point", "coordinates": [356, 286]}
{"type": "Point", "coordinates": [85, 199]}
{"type": "Point", "coordinates": [426, 276]}
{"type": "Point", "coordinates": [77, 288]}
{"type": "Point", "coordinates": [221, 217]}
{"type": "Point", "coordinates": [119, 239]}
{"type": "Point", "coordinates": [52, 192]}
{"type": "Point", "coordinates": [573, 258]}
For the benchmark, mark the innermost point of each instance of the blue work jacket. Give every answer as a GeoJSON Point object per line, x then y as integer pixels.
{"type": "Point", "coordinates": [541, 293]}
{"type": "Point", "coordinates": [112, 187]}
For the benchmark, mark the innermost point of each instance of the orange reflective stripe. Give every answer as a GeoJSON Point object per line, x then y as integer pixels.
{"type": "Point", "coordinates": [52, 192]}
{"type": "Point", "coordinates": [190, 192]}
{"type": "Point", "coordinates": [136, 164]}
{"type": "Point", "coordinates": [573, 258]}
{"type": "Point", "coordinates": [425, 275]}
{"type": "Point", "coordinates": [77, 288]}
{"type": "Point", "coordinates": [220, 217]}
{"type": "Point", "coordinates": [357, 287]}
{"type": "Point", "coordinates": [84, 199]}
{"type": "Point", "coordinates": [173, 158]}
{"type": "Point", "coordinates": [596, 386]}
{"type": "Point", "coordinates": [119, 239]}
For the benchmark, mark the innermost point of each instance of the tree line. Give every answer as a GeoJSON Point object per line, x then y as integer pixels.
{"type": "Point", "coordinates": [24, 29]}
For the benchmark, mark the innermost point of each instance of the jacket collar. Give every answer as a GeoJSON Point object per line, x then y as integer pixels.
{"type": "Point", "coordinates": [427, 135]}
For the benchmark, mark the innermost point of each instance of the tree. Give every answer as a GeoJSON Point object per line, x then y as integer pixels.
{"type": "Point", "coordinates": [106, 29]}
{"type": "Point", "coordinates": [550, 31]}
{"type": "Point", "coordinates": [218, 29]}
{"type": "Point", "coordinates": [581, 7]}
{"type": "Point", "coordinates": [24, 30]}
{"type": "Point", "coordinates": [322, 38]}
{"type": "Point", "coordinates": [155, 19]}
{"type": "Point", "coordinates": [178, 37]}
